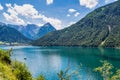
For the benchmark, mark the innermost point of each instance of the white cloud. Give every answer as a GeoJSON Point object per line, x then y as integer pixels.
{"type": "Point", "coordinates": [26, 10]}
{"type": "Point", "coordinates": [23, 14]}
{"type": "Point", "coordinates": [12, 16]}
{"type": "Point", "coordinates": [54, 21]}
{"type": "Point", "coordinates": [89, 3]}
{"type": "Point", "coordinates": [1, 7]}
{"type": "Point", "coordinates": [8, 5]}
{"type": "Point", "coordinates": [49, 2]}
{"type": "Point", "coordinates": [76, 14]}
{"type": "Point", "coordinates": [72, 10]}
{"type": "Point", "coordinates": [108, 1]}
{"type": "Point", "coordinates": [71, 23]}
{"type": "Point", "coordinates": [13, 19]}
{"type": "Point", "coordinates": [68, 15]}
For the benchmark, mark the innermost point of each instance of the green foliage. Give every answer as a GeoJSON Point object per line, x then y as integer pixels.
{"type": "Point", "coordinates": [63, 76]}
{"type": "Point", "coordinates": [116, 76]}
{"type": "Point", "coordinates": [6, 72]}
{"type": "Point", "coordinates": [5, 56]}
{"type": "Point", "coordinates": [12, 70]}
{"type": "Point", "coordinates": [5, 67]}
{"type": "Point", "coordinates": [66, 75]}
{"type": "Point", "coordinates": [106, 71]}
{"type": "Point", "coordinates": [41, 77]}
{"type": "Point", "coordinates": [21, 71]}
{"type": "Point", "coordinates": [99, 28]}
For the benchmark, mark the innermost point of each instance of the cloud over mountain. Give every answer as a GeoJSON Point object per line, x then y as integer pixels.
{"type": "Point", "coordinates": [1, 7]}
{"type": "Point", "coordinates": [21, 14]}
{"type": "Point", "coordinates": [108, 1]}
{"type": "Point", "coordinates": [49, 2]}
{"type": "Point", "coordinates": [72, 10]}
{"type": "Point", "coordinates": [89, 3]}
{"type": "Point", "coordinates": [76, 14]}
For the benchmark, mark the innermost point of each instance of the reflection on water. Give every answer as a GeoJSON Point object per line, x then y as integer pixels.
{"type": "Point", "coordinates": [50, 60]}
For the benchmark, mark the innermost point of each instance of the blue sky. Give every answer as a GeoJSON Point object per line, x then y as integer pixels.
{"type": "Point", "coordinates": [60, 13]}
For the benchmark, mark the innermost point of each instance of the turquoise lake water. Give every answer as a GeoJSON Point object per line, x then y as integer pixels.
{"type": "Point", "coordinates": [50, 60]}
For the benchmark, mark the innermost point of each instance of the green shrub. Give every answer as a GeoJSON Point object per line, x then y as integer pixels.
{"type": "Point", "coordinates": [21, 71]}
{"type": "Point", "coordinates": [12, 70]}
{"type": "Point", "coordinates": [41, 77]}
{"type": "Point", "coordinates": [6, 72]}
{"type": "Point", "coordinates": [5, 56]}
{"type": "Point", "coordinates": [66, 75]}
{"type": "Point", "coordinates": [106, 71]}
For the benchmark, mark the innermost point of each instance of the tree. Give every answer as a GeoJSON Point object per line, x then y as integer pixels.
{"type": "Point", "coordinates": [21, 71]}
{"type": "Point", "coordinates": [66, 75]}
{"type": "Point", "coordinates": [41, 77]}
{"type": "Point", "coordinates": [106, 71]}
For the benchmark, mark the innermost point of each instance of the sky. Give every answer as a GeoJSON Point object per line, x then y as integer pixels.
{"type": "Point", "coordinates": [60, 13]}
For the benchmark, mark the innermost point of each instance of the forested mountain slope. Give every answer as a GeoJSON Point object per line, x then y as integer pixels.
{"type": "Point", "coordinates": [8, 34]}
{"type": "Point", "coordinates": [99, 28]}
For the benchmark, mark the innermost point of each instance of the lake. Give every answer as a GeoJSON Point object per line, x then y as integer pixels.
{"type": "Point", "coordinates": [50, 60]}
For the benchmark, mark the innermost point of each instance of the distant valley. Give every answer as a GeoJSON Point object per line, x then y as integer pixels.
{"type": "Point", "coordinates": [33, 31]}
{"type": "Point", "coordinates": [23, 34]}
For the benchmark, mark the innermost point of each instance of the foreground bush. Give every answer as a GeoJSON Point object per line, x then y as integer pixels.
{"type": "Point", "coordinates": [6, 72]}
{"type": "Point", "coordinates": [106, 71]}
{"type": "Point", "coordinates": [5, 56]}
{"type": "Point", "coordinates": [12, 70]}
{"type": "Point", "coordinates": [41, 77]}
{"type": "Point", "coordinates": [66, 75]}
{"type": "Point", "coordinates": [21, 71]}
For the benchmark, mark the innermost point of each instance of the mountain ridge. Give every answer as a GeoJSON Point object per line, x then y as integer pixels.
{"type": "Point", "coordinates": [46, 28]}
{"type": "Point", "coordinates": [8, 34]}
{"type": "Point", "coordinates": [32, 31]}
{"type": "Point", "coordinates": [101, 27]}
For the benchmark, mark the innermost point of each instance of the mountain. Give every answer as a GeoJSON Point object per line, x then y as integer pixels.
{"type": "Point", "coordinates": [46, 28]}
{"type": "Point", "coordinates": [28, 31]}
{"type": "Point", "coordinates": [99, 28]}
{"type": "Point", "coordinates": [8, 34]}
{"type": "Point", "coordinates": [32, 31]}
